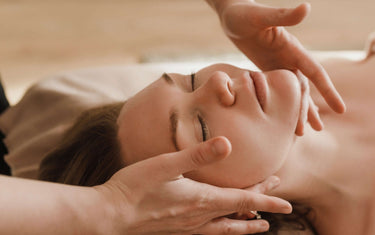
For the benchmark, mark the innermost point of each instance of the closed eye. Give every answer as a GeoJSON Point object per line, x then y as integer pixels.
{"type": "Point", "coordinates": [204, 128]}
{"type": "Point", "coordinates": [201, 121]}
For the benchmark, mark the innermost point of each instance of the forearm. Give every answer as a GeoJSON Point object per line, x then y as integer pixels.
{"type": "Point", "coordinates": [34, 207]}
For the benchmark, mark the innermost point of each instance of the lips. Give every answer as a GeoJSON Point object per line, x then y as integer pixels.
{"type": "Point", "coordinates": [261, 88]}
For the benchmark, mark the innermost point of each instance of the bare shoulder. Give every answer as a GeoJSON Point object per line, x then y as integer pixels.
{"type": "Point", "coordinates": [352, 78]}
{"type": "Point", "coordinates": [348, 71]}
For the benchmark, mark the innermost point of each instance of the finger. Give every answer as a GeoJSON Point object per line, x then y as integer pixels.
{"type": "Point", "coordinates": [170, 166]}
{"type": "Point", "coordinates": [270, 16]}
{"type": "Point", "coordinates": [305, 94]}
{"type": "Point", "coordinates": [267, 185]}
{"type": "Point", "coordinates": [244, 216]}
{"type": "Point", "coordinates": [238, 216]}
{"type": "Point", "coordinates": [230, 226]}
{"type": "Point", "coordinates": [316, 73]}
{"type": "Point", "coordinates": [228, 201]}
{"type": "Point", "coordinates": [314, 117]}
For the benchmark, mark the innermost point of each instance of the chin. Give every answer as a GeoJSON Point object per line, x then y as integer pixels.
{"type": "Point", "coordinates": [284, 83]}
{"type": "Point", "coordinates": [285, 92]}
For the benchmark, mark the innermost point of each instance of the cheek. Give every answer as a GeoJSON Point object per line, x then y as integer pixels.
{"type": "Point", "coordinates": [258, 151]}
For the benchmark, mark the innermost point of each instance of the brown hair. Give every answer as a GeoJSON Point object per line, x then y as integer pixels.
{"type": "Point", "coordinates": [89, 153]}
{"type": "Point", "coordinates": [296, 221]}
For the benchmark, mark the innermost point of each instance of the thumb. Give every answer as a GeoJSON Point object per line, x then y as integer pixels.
{"type": "Point", "coordinates": [197, 156]}
{"type": "Point", "coordinates": [270, 16]}
{"type": "Point", "coordinates": [169, 166]}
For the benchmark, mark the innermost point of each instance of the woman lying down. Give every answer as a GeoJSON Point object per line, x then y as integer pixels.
{"type": "Point", "coordinates": [329, 175]}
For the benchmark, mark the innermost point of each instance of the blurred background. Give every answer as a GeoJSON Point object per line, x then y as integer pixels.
{"type": "Point", "coordinates": [42, 37]}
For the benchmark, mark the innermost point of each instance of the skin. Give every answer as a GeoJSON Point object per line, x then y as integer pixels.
{"type": "Point", "coordinates": [225, 97]}
{"type": "Point", "coordinates": [257, 31]}
{"type": "Point", "coordinates": [131, 199]}
{"type": "Point", "coordinates": [270, 47]}
{"type": "Point", "coordinates": [321, 172]}
{"type": "Point", "coordinates": [321, 169]}
{"type": "Point", "coordinates": [333, 171]}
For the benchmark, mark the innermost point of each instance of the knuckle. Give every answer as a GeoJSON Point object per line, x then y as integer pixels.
{"type": "Point", "coordinates": [204, 200]}
{"type": "Point", "coordinates": [202, 205]}
{"type": "Point", "coordinates": [227, 227]}
{"type": "Point", "coordinates": [164, 163]}
{"type": "Point", "coordinates": [245, 203]}
{"type": "Point", "coordinates": [198, 157]}
{"type": "Point", "coordinates": [188, 222]}
{"type": "Point", "coordinates": [254, 227]}
{"type": "Point", "coordinates": [194, 213]}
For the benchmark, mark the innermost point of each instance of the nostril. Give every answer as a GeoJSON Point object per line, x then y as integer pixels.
{"type": "Point", "coordinates": [230, 86]}
{"type": "Point", "coordinates": [232, 97]}
{"type": "Point", "coordinates": [224, 87]}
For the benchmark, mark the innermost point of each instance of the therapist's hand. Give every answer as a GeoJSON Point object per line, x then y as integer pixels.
{"type": "Point", "coordinates": [153, 197]}
{"type": "Point", "coordinates": [257, 31]}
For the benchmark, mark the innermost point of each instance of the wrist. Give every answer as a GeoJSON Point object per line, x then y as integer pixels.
{"type": "Point", "coordinates": [101, 212]}
{"type": "Point", "coordinates": [113, 215]}
{"type": "Point", "coordinates": [93, 214]}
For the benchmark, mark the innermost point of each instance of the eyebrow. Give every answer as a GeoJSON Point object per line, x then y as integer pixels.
{"type": "Point", "coordinates": [173, 119]}
{"type": "Point", "coordinates": [167, 78]}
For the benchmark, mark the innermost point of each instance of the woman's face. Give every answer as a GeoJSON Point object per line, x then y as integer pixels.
{"type": "Point", "coordinates": [256, 111]}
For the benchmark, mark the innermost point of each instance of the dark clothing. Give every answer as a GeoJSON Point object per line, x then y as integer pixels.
{"type": "Point", "coordinates": [4, 104]}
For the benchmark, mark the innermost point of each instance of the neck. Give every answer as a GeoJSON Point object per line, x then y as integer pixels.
{"type": "Point", "coordinates": [307, 177]}
{"type": "Point", "coordinates": [318, 174]}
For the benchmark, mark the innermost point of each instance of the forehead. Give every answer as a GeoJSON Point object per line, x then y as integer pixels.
{"type": "Point", "coordinates": [144, 128]}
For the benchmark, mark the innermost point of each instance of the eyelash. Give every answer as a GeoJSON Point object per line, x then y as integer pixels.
{"type": "Point", "coordinates": [204, 128]}
{"type": "Point", "coordinates": [201, 121]}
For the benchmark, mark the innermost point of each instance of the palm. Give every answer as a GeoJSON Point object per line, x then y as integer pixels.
{"type": "Point", "coordinates": [253, 33]}
{"type": "Point", "coordinates": [271, 49]}
{"type": "Point", "coordinates": [258, 32]}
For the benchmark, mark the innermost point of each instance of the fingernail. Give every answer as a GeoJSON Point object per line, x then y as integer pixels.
{"type": "Point", "coordinates": [219, 147]}
{"type": "Point", "coordinates": [287, 208]}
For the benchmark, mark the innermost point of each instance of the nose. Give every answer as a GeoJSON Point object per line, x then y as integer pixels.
{"type": "Point", "coordinates": [219, 86]}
